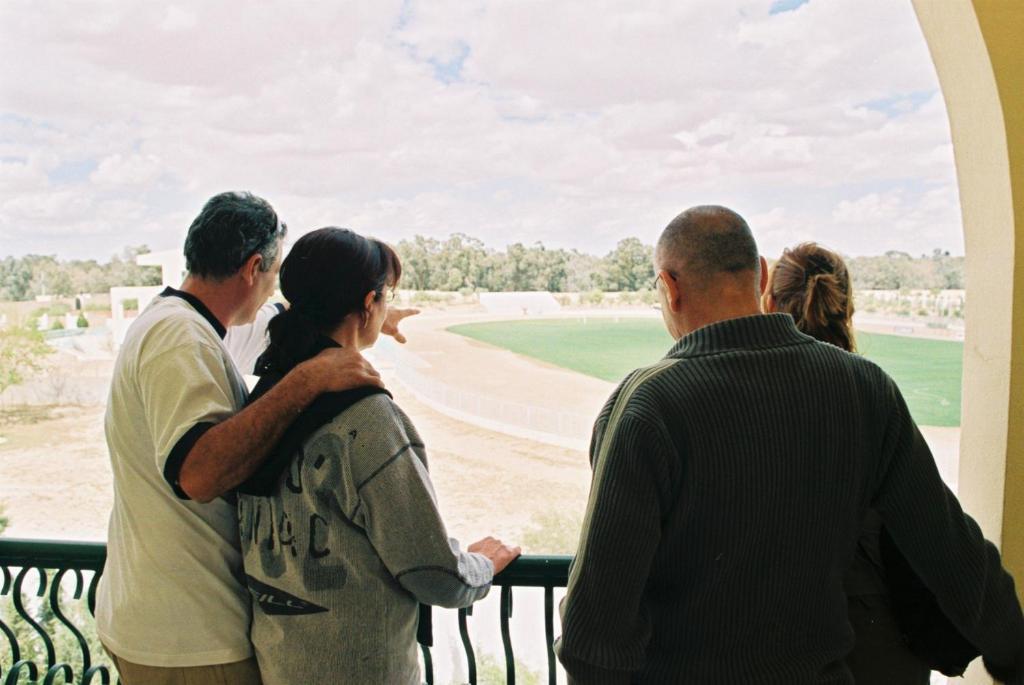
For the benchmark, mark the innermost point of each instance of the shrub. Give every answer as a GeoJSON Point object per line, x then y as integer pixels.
{"type": "Point", "coordinates": [422, 297]}
{"type": "Point", "coordinates": [552, 532]}
{"type": "Point", "coordinates": [53, 309]}
{"type": "Point", "coordinates": [491, 671]}
{"type": "Point", "coordinates": [21, 354]}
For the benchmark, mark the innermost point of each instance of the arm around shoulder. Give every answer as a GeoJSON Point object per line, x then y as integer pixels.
{"type": "Point", "coordinates": [231, 451]}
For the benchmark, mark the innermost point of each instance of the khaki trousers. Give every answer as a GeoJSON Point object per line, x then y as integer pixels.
{"type": "Point", "coordinates": [238, 673]}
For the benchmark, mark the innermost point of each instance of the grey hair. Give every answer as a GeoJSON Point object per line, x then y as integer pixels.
{"type": "Point", "coordinates": [231, 228]}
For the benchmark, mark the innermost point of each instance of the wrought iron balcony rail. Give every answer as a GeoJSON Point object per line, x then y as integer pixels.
{"type": "Point", "coordinates": [48, 624]}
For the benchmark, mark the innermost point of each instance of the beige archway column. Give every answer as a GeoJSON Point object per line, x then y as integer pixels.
{"type": "Point", "coordinates": [976, 47]}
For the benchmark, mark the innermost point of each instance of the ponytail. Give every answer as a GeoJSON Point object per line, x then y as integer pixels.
{"type": "Point", "coordinates": [293, 339]}
{"type": "Point", "coordinates": [824, 311]}
{"type": "Point", "coordinates": [813, 285]}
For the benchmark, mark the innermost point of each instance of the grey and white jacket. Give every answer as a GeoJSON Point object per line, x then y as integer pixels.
{"type": "Point", "coordinates": [339, 555]}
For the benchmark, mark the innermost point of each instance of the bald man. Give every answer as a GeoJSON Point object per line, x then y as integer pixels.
{"type": "Point", "coordinates": [730, 482]}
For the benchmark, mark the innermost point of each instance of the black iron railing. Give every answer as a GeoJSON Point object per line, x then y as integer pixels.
{"type": "Point", "coordinates": [48, 623]}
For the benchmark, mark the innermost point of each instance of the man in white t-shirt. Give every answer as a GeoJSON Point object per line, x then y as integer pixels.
{"type": "Point", "coordinates": [170, 606]}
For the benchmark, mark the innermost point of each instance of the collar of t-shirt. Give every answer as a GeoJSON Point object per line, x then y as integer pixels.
{"type": "Point", "coordinates": [200, 308]}
{"type": "Point", "coordinates": [323, 409]}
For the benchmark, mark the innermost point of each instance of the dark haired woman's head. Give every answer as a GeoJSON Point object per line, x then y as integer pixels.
{"type": "Point", "coordinates": [337, 284]}
{"type": "Point", "coordinates": [812, 284]}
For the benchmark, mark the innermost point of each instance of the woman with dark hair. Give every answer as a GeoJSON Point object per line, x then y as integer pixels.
{"type": "Point", "coordinates": [812, 284]}
{"type": "Point", "coordinates": [341, 534]}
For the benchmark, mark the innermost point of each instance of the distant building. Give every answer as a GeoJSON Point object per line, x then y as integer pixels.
{"type": "Point", "coordinates": [525, 304]}
{"type": "Point", "coordinates": [171, 263]}
{"type": "Point", "coordinates": [172, 272]}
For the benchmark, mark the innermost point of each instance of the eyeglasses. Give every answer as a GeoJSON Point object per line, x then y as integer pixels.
{"type": "Point", "coordinates": [654, 283]}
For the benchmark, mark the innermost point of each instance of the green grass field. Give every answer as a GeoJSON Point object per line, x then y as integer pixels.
{"type": "Point", "coordinates": [927, 371]}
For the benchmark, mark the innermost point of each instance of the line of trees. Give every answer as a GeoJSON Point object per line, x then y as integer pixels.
{"type": "Point", "coordinates": [900, 271]}
{"type": "Point", "coordinates": [25, 278]}
{"type": "Point", "coordinates": [462, 262]}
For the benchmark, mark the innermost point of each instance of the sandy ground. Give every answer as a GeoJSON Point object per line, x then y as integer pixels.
{"type": "Point", "coordinates": [55, 476]}
{"type": "Point", "coordinates": [494, 484]}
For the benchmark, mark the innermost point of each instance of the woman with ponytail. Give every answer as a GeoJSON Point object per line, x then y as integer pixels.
{"type": "Point", "coordinates": [812, 285]}
{"type": "Point", "coordinates": [900, 632]}
{"type": "Point", "coordinates": [340, 530]}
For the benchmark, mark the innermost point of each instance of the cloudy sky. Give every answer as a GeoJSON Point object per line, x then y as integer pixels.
{"type": "Point", "coordinates": [574, 123]}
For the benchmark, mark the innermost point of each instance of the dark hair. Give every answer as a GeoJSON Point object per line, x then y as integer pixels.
{"type": "Point", "coordinates": [230, 229]}
{"type": "Point", "coordinates": [325, 278]}
{"type": "Point", "coordinates": [707, 241]}
{"type": "Point", "coordinates": [812, 284]}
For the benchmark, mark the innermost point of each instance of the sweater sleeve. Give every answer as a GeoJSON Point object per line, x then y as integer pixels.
{"type": "Point", "coordinates": [605, 622]}
{"type": "Point", "coordinates": [946, 547]}
{"type": "Point", "coordinates": [398, 510]}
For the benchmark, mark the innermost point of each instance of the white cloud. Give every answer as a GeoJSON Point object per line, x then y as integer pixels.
{"type": "Point", "coordinates": [575, 123]}
{"type": "Point", "coordinates": [779, 228]}
{"type": "Point", "coordinates": [118, 171]}
{"type": "Point", "coordinates": [870, 208]}
{"type": "Point", "coordinates": [887, 218]}
{"type": "Point", "coordinates": [19, 176]}
{"type": "Point", "coordinates": [178, 18]}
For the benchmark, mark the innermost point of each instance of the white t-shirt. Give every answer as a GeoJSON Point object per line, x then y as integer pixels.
{"type": "Point", "coordinates": [246, 343]}
{"type": "Point", "coordinates": [171, 593]}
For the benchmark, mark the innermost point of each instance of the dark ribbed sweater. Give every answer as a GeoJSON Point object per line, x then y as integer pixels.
{"type": "Point", "coordinates": [726, 509]}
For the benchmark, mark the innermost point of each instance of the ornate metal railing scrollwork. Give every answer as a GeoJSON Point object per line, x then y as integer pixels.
{"type": "Point", "coordinates": [47, 640]}
{"type": "Point", "coordinates": [49, 645]}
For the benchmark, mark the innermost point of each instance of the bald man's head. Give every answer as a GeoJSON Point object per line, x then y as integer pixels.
{"type": "Point", "coordinates": [706, 243]}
